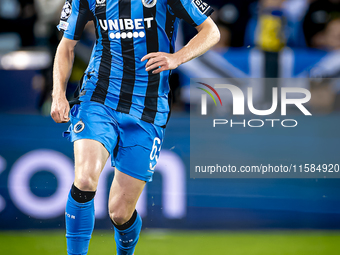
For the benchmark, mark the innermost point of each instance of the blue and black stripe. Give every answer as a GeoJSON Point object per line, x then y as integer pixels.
{"type": "Point", "coordinates": [128, 54]}
{"type": "Point", "coordinates": [103, 83]}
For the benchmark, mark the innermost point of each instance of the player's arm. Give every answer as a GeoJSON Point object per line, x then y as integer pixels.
{"type": "Point", "coordinates": [74, 16]}
{"type": "Point", "coordinates": [61, 73]}
{"type": "Point", "coordinates": [208, 35]}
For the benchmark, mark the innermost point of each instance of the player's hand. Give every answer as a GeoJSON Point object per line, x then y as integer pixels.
{"type": "Point", "coordinates": [60, 109]}
{"type": "Point", "coordinates": [160, 61]}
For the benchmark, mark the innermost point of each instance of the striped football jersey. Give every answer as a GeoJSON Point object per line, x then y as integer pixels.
{"type": "Point", "coordinates": [127, 30]}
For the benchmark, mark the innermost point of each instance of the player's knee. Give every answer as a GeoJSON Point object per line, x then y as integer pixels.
{"type": "Point", "coordinates": [87, 175]}
{"type": "Point", "coordinates": [86, 183]}
{"type": "Point", "coordinates": [119, 217]}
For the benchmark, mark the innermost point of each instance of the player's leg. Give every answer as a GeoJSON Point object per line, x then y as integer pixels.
{"type": "Point", "coordinates": [124, 194]}
{"type": "Point", "coordinates": [135, 158]}
{"type": "Point", "coordinates": [90, 159]}
{"type": "Point", "coordinates": [94, 134]}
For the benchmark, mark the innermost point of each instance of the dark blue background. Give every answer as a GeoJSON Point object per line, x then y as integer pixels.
{"type": "Point", "coordinates": [211, 203]}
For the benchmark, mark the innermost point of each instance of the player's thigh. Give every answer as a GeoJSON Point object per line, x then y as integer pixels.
{"type": "Point", "coordinates": [139, 148]}
{"type": "Point", "coordinates": [90, 158]}
{"type": "Point", "coordinates": [135, 157]}
{"type": "Point", "coordinates": [94, 134]}
{"type": "Point", "coordinates": [124, 193]}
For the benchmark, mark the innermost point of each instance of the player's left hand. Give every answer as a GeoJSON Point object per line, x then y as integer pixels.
{"type": "Point", "coordinates": [160, 61]}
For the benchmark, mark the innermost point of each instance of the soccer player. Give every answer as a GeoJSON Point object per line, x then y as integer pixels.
{"type": "Point", "coordinates": [124, 102]}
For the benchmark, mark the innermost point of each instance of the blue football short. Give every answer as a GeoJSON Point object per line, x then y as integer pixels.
{"type": "Point", "coordinates": [134, 144]}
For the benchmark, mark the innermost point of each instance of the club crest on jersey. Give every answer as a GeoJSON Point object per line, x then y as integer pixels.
{"type": "Point", "coordinates": [78, 127]}
{"type": "Point", "coordinates": [67, 10]}
{"type": "Point", "coordinates": [149, 3]}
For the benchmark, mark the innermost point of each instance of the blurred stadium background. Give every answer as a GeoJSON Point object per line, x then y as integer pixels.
{"type": "Point", "coordinates": [259, 39]}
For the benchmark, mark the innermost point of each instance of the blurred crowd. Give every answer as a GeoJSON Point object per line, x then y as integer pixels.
{"type": "Point", "coordinates": [33, 21]}
{"type": "Point", "coordinates": [273, 24]}
{"type": "Point", "coordinates": [270, 26]}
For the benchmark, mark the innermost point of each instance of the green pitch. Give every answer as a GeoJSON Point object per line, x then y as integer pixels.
{"type": "Point", "coordinates": [181, 242]}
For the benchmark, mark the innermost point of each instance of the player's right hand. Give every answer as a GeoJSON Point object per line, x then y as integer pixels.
{"type": "Point", "coordinates": [60, 109]}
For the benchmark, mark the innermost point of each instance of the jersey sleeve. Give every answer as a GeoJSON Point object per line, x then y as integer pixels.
{"type": "Point", "coordinates": [74, 16]}
{"type": "Point", "coordinates": [195, 12]}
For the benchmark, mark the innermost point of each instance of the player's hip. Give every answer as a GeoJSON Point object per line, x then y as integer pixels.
{"type": "Point", "coordinates": [134, 144]}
